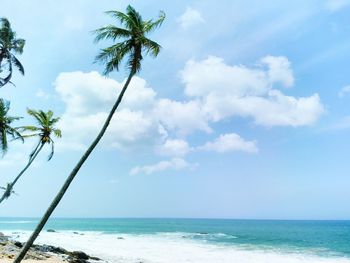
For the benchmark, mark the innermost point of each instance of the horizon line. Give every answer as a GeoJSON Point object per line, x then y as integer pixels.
{"type": "Point", "coordinates": [177, 218]}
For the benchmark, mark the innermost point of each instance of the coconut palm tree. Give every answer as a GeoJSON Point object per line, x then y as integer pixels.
{"type": "Point", "coordinates": [5, 126]}
{"type": "Point", "coordinates": [44, 131]}
{"type": "Point", "coordinates": [9, 46]}
{"type": "Point", "coordinates": [134, 43]}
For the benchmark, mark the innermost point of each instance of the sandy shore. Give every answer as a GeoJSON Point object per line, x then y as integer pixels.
{"type": "Point", "coordinates": [40, 253]}
{"type": "Point", "coordinates": [49, 260]}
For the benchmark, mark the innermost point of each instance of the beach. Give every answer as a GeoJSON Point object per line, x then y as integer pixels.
{"type": "Point", "coordinates": [193, 240]}
{"type": "Point", "coordinates": [49, 260]}
{"type": "Point", "coordinates": [10, 247]}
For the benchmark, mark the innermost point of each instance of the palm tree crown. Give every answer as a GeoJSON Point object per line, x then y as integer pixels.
{"type": "Point", "coordinates": [46, 127]}
{"type": "Point", "coordinates": [134, 43]}
{"type": "Point", "coordinates": [5, 126]}
{"type": "Point", "coordinates": [9, 46]}
{"type": "Point", "coordinates": [44, 130]}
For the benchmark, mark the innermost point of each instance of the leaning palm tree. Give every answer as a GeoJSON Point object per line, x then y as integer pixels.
{"type": "Point", "coordinates": [5, 126]}
{"type": "Point", "coordinates": [44, 131]}
{"type": "Point", "coordinates": [9, 46]}
{"type": "Point", "coordinates": [133, 45]}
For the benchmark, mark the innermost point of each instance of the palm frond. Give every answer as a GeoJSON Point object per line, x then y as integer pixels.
{"type": "Point", "coordinates": [123, 18]}
{"type": "Point", "coordinates": [113, 56]}
{"type": "Point", "coordinates": [18, 45]}
{"type": "Point", "coordinates": [134, 40]}
{"type": "Point", "coordinates": [134, 16]}
{"type": "Point", "coordinates": [29, 128]}
{"type": "Point", "coordinates": [110, 32]}
{"type": "Point", "coordinates": [151, 47]}
{"type": "Point", "coordinates": [57, 133]}
{"type": "Point", "coordinates": [52, 150]}
{"type": "Point", "coordinates": [151, 25]}
{"type": "Point", "coordinates": [18, 64]}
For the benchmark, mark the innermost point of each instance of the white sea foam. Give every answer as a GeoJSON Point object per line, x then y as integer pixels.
{"type": "Point", "coordinates": [165, 248]}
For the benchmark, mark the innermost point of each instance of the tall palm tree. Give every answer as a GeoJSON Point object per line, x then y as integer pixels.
{"type": "Point", "coordinates": [134, 43]}
{"type": "Point", "coordinates": [5, 126]}
{"type": "Point", "coordinates": [44, 131]}
{"type": "Point", "coordinates": [9, 46]}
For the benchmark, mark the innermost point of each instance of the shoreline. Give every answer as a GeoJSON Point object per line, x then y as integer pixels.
{"type": "Point", "coordinates": [49, 260]}
{"type": "Point", "coordinates": [10, 248]}
{"type": "Point", "coordinates": [191, 247]}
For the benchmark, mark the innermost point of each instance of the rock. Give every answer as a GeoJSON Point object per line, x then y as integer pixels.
{"type": "Point", "coordinates": [9, 248]}
{"type": "Point", "coordinates": [59, 250]}
{"type": "Point", "coordinates": [77, 261]}
{"type": "Point", "coordinates": [95, 258]}
{"type": "Point", "coordinates": [18, 244]}
{"type": "Point", "coordinates": [79, 255]}
{"type": "Point", "coordinates": [120, 237]}
{"type": "Point", "coordinates": [51, 230]}
{"type": "Point", "coordinates": [3, 238]}
{"type": "Point", "coordinates": [52, 249]}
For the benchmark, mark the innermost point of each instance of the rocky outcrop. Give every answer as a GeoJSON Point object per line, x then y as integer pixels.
{"type": "Point", "coordinates": [10, 248]}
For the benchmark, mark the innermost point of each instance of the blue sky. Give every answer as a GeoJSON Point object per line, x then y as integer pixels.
{"type": "Point", "coordinates": [244, 114]}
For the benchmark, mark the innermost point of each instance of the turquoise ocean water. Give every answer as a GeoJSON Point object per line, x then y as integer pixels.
{"type": "Point", "coordinates": [323, 239]}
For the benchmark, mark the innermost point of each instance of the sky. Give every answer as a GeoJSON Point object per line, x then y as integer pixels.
{"type": "Point", "coordinates": [244, 114]}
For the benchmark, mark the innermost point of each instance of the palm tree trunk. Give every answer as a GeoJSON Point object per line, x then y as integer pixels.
{"type": "Point", "coordinates": [74, 172]}
{"type": "Point", "coordinates": [6, 194]}
{"type": "Point", "coordinates": [1, 58]}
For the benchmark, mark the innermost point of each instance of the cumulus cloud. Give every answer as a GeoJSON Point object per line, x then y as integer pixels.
{"type": "Point", "coordinates": [226, 91]}
{"type": "Point", "coordinates": [279, 70]}
{"type": "Point", "coordinates": [89, 97]}
{"type": "Point", "coordinates": [344, 91]}
{"type": "Point", "coordinates": [215, 91]}
{"type": "Point", "coordinates": [174, 147]}
{"type": "Point", "coordinates": [335, 5]}
{"type": "Point", "coordinates": [183, 117]}
{"type": "Point", "coordinates": [191, 17]}
{"type": "Point", "coordinates": [228, 143]}
{"type": "Point", "coordinates": [173, 164]}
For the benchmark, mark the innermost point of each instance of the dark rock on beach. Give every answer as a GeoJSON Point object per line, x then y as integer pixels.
{"type": "Point", "coordinates": [10, 248]}
{"type": "Point", "coordinates": [79, 255]}
{"type": "Point", "coordinates": [18, 244]}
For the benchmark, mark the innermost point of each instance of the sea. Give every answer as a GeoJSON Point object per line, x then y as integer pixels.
{"type": "Point", "coordinates": [193, 240]}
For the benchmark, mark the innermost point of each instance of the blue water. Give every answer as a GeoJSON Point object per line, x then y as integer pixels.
{"type": "Point", "coordinates": [324, 238]}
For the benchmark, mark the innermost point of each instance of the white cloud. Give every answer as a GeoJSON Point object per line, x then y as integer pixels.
{"type": "Point", "coordinates": [174, 147]}
{"type": "Point", "coordinates": [335, 5]}
{"type": "Point", "coordinates": [191, 17]}
{"type": "Point", "coordinates": [213, 75]}
{"type": "Point", "coordinates": [173, 164]}
{"type": "Point", "coordinates": [279, 70]}
{"type": "Point", "coordinates": [184, 117]}
{"type": "Point", "coordinates": [226, 91]}
{"type": "Point", "coordinates": [89, 97]}
{"type": "Point", "coordinates": [230, 142]}
{"type": "Point", "coordinates": [90, 92]}
{"type": "Point", "coordinates": [216, 92]}
{"type": "Point", "coordinates": [344, 91]}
